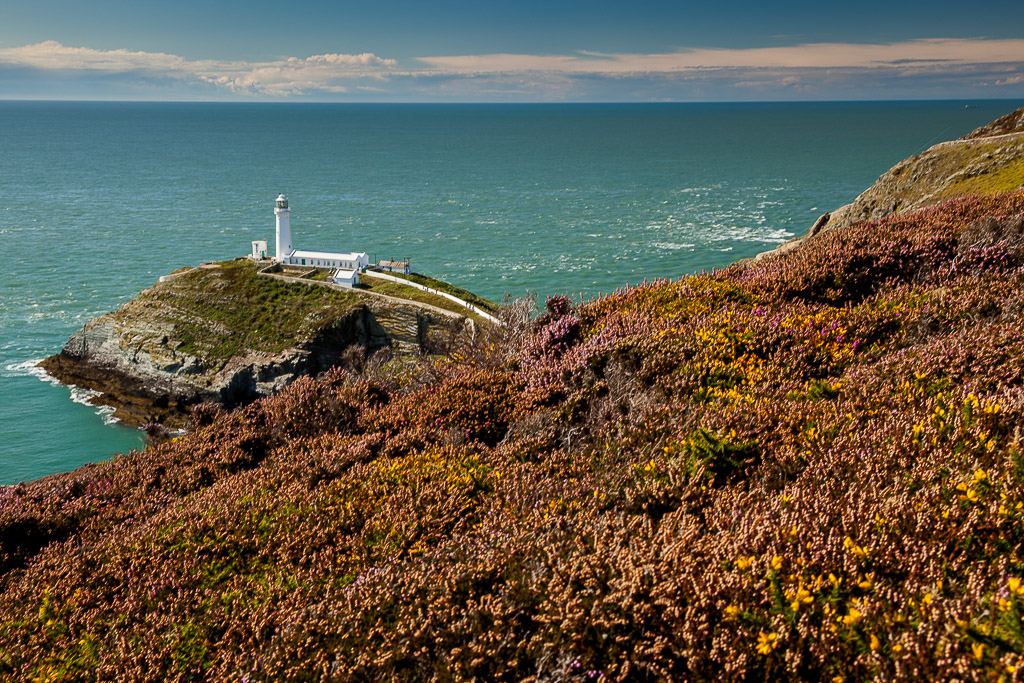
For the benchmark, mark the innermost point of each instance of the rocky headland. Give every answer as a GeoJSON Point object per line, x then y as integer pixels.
{"type": "Point", "coordinates": [222, 333]}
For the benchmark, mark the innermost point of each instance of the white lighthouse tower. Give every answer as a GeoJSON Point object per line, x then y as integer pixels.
{"type": "Point", "coordinates": [283, 247]}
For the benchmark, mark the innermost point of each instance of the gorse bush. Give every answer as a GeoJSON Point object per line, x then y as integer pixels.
{"type": "Point", "coordinates": [808, 468]}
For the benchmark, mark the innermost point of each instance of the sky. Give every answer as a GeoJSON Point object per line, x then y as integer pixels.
{"type": "Point", "coordinates": [524, 51]}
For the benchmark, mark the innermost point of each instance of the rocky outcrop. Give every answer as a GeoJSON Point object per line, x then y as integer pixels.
{"type": "Point", "coordinates": [145, 362]}
{"type": "Point", "coordinates": [980, 165]}
{"type": "Point", "coordinates": [1011, 123]}
{"type": "Point", "coordinates": [988, 160]}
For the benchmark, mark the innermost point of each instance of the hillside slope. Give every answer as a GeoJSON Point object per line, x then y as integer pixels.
{"type": "Point", "coordinates": [988, 160]}
{"type": "Point", "coordinates": [804, 468]}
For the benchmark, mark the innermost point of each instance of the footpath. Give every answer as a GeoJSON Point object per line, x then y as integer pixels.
{"type": "Point", "coordinates": [450, 297]}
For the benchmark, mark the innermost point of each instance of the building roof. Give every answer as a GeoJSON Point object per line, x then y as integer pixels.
{"type": "Point", "coordinates": [327, 255]}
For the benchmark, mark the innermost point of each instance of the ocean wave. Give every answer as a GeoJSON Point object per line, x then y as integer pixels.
{"type": "Point", "coordinates": [30, 368]}
{"type": "Point", "coordinates": [82, 397]}
{"type": "Point", "coordinates": [672, 246]}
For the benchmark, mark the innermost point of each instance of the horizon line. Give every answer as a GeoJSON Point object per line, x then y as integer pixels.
{"type": "Point", "coordinates": [515, 102]}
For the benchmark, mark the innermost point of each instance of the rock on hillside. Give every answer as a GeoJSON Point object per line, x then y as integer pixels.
{"type": "Point", "coordinates": [224, 334]}
{"type": "Point", "coordinates": [1011, 123]}
{"type": "Point", "coordinates": [987, 161]}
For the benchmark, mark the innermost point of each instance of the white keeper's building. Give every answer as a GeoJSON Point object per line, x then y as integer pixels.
{"type": "Point", "coordinates": [346, 265]}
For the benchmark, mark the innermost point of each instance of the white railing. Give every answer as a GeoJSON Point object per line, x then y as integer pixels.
{"type": "Point", "coordinates": [446, 295]}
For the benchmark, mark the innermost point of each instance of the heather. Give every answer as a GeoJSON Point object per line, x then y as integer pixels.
{"type": "Point", "coordinates": [807, 467]}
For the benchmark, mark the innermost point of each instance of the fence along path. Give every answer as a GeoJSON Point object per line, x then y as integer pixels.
{"type": "Point", "coordinates": [450, 297]}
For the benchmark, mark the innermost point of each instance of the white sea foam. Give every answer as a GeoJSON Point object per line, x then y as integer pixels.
{"type": "Point", "coordinates": [30, 368]}
{"type": "Point", "coordinates": [82, 396]}
{"type": "Point", "coordinates": [672, 246]}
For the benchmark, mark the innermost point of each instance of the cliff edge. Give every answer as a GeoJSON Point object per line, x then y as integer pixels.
{"type": "Point", "coordinates": [987, 161]}
{"type": "Point", "coordinates": [222, 333]}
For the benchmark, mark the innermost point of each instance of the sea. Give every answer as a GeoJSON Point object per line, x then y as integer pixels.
{"type": "Point", "coordinates": [98, 200]}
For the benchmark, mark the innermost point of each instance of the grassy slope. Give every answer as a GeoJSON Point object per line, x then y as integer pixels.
{"type": "Point", "coordinates": [227, 310]}
{"type": "Point", "coordinates": [219, 312]}
{"type": "Point", "coordinates": [808, 467]}
{"type": "Point", "coordinates": [998, 176]}
{"type": "Point", "coordinates": [1002, 178]}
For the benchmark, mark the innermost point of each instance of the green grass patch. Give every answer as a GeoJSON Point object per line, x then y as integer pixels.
{"type": "Point", "coordinates": [1004, 179]}
{"type": "Point", "coordinates": [225, 310]}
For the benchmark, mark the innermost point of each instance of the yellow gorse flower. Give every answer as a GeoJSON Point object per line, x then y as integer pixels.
{"type": "Point", "coordinates": [798, 597]}
{"type": "Point", "coordinates": [857, 550]}
{"type": "Point", "coordinates": [766, 642]}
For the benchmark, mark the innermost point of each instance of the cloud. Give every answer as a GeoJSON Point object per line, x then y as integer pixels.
{"type": "Point", "coordinates": [283, 77]}
{"type": "Point", "coordinates": [52, 55]}
{"type": "Point", "coordinates": [940, 67]}
{"type": "Point", "coordinates": [810, 55]}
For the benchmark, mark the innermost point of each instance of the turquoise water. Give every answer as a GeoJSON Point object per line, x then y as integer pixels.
{"type": "Point", "coordinates": [97, 200]}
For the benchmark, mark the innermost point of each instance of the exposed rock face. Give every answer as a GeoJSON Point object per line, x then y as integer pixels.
{"type": "Point", "coordinates": [137, 359]}
{"type": "Point", "coordinates": [988, 160]}
{"type": "Point", "coordinates": [1011, 123]}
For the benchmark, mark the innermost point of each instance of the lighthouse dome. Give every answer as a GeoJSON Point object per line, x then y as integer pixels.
{"type": "Point", "coordinates": [282, 201]}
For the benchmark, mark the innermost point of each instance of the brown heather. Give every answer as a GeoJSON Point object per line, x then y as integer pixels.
{"type": "Point", "coordinates": [807, 468]}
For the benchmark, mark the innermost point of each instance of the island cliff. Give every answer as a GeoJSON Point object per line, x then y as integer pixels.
{"type": "Point", "coordinates": [224, 334]}
{"type": "Point", "coordinates": [805, 467]}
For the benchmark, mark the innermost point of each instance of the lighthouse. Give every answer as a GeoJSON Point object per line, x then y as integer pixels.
{"type": "Point", "coordinates": [345, 264]}
{"type": "Point", "coordinates": [283, 247]}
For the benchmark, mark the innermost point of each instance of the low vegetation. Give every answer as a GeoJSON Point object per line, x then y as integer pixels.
{"type": "Point", "coordinates": [220, 311]}
{"type": "Point", "coordinates": [808, 467]}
